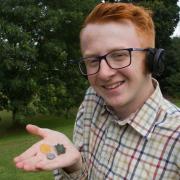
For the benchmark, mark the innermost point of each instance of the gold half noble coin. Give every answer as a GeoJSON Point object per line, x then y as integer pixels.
{"type": "Point", "coordinates": [45, 148]}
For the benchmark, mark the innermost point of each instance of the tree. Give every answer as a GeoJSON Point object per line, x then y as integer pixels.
{"type": "Point", "coordinates": [62, 92]}
{"type": "Point", "coordinates": [172, 82]}
{"type": "Point", "coordinates": [18, 54]}
{"type": "Point", "coordinates": [37, 39]}
{"type": "Point", "coordinates": [166, 17]}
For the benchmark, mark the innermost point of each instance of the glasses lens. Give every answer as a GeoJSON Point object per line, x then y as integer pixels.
{"type": "Point", "coordinates": [89, 66]}
{"type": "Point", "coordinates": [119, 59]}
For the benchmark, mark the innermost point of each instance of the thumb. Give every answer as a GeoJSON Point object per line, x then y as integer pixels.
{"type": "Point", "coordinates": [35, 130]}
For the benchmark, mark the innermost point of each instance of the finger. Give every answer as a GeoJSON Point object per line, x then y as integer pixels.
{"type": "Point", "coordinates": [30, 164]}
{"type": "Point", "coordinates": [32, 151]}
{"type": "Point", "coordinates": [35, 130]}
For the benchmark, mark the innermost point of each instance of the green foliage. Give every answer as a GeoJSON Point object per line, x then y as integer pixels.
{"type": "Point", "coordinates": [166, 17]}
{"type": "Point", "coordinates": [171, 83]}
{"type": "Point", "coordinates": [59, 92]}
{"type": "Point", "coordinates": [18, 53]}
{"type": "Point", "coordinates": [37, 39]}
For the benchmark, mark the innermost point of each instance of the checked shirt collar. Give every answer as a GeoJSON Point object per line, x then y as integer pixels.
{"type": "Point", "coordinates": [144, 119]}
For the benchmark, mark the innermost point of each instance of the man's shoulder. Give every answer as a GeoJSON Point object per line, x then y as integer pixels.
{"type": "Point", "coordinates": [91, 95]}
{"type": "Point", "coordinates": [90, 92]}
{"type": "Point", "coordinates": [92, 99]}
{"type": "Point", "coordinates": [171, 109]}
{"type": "Point", "coordinates": [171, 118]}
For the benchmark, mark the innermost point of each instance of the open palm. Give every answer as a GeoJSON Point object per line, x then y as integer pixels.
{"type": "Point", "coordinates": [34, 160]}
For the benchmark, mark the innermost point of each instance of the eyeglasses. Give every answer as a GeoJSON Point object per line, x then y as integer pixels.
{"type": "Point", "coordinates": [117, 59]}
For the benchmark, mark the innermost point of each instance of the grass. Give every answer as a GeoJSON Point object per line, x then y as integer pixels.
{"type": "Point", "coordinates": [174, 100]}
{"type": "Point", "coordinates": [177, 102]}
{"type": "Point", "coordinates": [15, 141]}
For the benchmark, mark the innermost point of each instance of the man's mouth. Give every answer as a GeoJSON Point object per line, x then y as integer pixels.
{"type": "Point", "coordinates": [114, 85]}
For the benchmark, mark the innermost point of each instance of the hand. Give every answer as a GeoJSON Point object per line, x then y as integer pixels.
{"type": "Point", "coordinates": [34, 160]}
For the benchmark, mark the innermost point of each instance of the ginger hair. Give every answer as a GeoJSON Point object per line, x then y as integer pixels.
{"type": "Point", "coordinates": [120, 12]}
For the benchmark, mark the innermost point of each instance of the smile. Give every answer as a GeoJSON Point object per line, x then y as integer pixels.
{"type": "Point", "coordinates": [113, 86]}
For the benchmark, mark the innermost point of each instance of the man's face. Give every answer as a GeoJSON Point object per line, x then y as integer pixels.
{"type": "Point", "coordinates": [125, 90]}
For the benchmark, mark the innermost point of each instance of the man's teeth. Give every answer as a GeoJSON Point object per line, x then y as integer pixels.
{"type": "Point", "coordinates": [113, 85]}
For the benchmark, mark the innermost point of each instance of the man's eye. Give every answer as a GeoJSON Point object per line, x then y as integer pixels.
{"type": "Point", "coordinates": [119, 55]}
{"type": "Point", "coordinates": [92, 61]}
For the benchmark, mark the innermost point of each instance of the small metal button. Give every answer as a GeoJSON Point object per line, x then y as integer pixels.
{"type": "Point", "coordinates": [50, 156]}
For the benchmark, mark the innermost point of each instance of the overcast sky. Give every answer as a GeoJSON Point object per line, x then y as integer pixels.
{"type": "Point", "coordinates": [177, 30]}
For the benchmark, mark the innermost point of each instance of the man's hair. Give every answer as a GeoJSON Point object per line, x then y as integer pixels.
{"type": "Point", "coordinates": [118, 12]}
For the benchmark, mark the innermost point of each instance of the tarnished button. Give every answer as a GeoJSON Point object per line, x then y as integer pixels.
{"type": "Point", "coordinates": [60, 149]}
{"type": "Point", "coordinates": [50, 156]}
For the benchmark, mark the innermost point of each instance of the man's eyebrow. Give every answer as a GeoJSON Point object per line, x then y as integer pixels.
{"type": "Point", "coordinates": [90, 55]}
{"type": "Point", "coordinates": [86, 55]}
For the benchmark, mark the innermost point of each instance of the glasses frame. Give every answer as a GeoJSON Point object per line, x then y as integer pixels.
{"type": "Point", "coordinates": [100, 58]}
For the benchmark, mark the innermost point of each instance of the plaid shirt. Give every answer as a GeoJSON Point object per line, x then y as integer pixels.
{"type": "Point", "coordinates": [145, 146]}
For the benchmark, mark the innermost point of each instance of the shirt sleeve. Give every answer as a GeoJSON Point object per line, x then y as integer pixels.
{"type": "Point", "coordinates": [60, 174]}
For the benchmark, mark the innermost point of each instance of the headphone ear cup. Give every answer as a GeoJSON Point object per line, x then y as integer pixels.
{"type": "Point", "coordinates": [150, 60]}
{"type": "Point", "coordinates": [159, 62]}
{"type": "Point", "coordinates": [155, 58]}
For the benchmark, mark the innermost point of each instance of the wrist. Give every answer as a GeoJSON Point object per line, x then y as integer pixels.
{"type": "Point", "coordinates": [74, 167]}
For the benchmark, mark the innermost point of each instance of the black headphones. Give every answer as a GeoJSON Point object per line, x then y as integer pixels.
{"type": "Point", "coordinates": [155, 58]}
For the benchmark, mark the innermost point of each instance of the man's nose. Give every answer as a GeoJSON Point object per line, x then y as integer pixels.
{"type": "Point", "coordinates": [105, 70]}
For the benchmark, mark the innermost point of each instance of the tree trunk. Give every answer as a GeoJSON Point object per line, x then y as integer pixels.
{"type": "Point", "coordinates": [14, 120]}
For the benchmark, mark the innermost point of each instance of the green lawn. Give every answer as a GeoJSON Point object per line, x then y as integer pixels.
{"type": "Point", "coordinates": [15, 141]}
{"type": "Point", "coordinates": [177, 102]}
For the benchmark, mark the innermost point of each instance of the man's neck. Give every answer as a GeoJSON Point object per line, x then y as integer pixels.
{"type": "Point", "coordinates": [137, 103]}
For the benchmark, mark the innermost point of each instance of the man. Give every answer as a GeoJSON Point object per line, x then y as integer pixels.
{"type": "Point", "coordinates": [124, 129]}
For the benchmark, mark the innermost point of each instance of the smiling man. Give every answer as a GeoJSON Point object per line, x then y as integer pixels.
{"type": "Point", "coordinates": [125, 128]}
{"type": "Point", "coordinates": [124, 85]}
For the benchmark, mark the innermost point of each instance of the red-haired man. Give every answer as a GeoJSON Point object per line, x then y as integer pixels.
{"type": "Point", "coordinates": [124, 129]}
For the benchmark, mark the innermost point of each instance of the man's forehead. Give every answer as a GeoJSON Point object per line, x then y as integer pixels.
{"type": "Point", "coordinates": [101, 39]}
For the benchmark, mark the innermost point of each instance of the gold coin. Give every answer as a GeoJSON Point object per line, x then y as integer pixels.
{"type": "Point", "coordinates": [45, 148]}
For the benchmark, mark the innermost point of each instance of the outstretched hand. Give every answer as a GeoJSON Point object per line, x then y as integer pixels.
{"type": "Point", "coordinates": [34, 160]}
